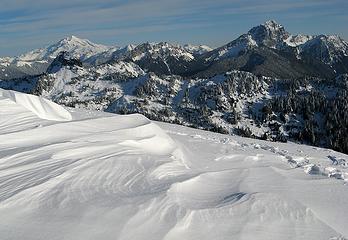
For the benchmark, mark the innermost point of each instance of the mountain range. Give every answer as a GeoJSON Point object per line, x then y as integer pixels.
{"type": "Point", "coordinates": [256, 52]}
{"type": "Point", "coordinates": [266, 84]}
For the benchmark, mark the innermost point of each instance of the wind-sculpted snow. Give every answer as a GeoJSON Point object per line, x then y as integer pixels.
{"type": "Point", "coordinates": [41, 107]}
{"type": "Point", "coordinates": [106, 176]}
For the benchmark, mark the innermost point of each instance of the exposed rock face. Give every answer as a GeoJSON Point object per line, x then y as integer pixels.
{"type": "Point", "coordinates": [64, 59]}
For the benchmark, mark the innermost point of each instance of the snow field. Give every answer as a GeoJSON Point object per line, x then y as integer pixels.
{"type": "Point", "coordinates": [105, 176]}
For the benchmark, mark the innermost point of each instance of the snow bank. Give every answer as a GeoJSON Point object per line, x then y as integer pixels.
{"type": "Point", "coordinates": [41, 107]}
{"type": "Point", "coordinates": [106, 176]}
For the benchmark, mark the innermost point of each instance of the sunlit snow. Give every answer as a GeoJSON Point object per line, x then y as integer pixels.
{"type": "Point", "coordinates": [75, 174]}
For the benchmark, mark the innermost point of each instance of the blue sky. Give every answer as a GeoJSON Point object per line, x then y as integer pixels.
{"type": "Point", "coordinates": [26, 24]}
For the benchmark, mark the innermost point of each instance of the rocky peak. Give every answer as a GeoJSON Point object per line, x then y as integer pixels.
{"type": "Point", "coordinates": [64, 59]}
{"type": "Point", "coordinates": [270, 34]}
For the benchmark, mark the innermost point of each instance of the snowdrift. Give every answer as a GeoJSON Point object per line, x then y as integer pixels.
{"type": "Point", "coordinates": [43, 108]}
{"type": "Point", "coordinates": [105, 176]}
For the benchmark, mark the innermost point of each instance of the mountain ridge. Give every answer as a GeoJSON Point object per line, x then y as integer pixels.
{"type": "Point", "coordinates": [330, 51]}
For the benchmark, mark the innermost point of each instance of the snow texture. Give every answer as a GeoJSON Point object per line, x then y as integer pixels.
{"type": "Point", "coordinates": [106, 176]}
{"type": "Point", "coordinates": [39, 106]}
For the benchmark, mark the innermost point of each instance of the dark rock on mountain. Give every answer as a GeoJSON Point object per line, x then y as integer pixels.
{"type": "Point", "coordinates": [62, 60]}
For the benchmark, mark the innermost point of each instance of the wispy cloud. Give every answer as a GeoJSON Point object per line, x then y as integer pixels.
{"type": "Point", "coordinates": [25, 22]}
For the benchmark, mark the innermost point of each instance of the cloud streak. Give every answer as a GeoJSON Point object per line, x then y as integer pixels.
{"type": "Point", "coordinates": [25, 22]}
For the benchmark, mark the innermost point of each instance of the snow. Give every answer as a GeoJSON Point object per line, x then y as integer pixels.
{"type": "Point", "coordinates": [122, 68]}
{"type": "Point", "coordinates": [6, 61]}
{"type": "Point", "coordinates": [243, 43]}
{"type": "Point", "coordinates": [107, 176]}
{"type": "Point", "coordinates": [80, 48]}
{"type": "Point", "coordinates": [297, 40]}
{"type": "Point", "coordinates": [272, 25]}
{"type": "Point", "coordinates": [39, 106]}
{"type": "Point", "coordinates": [164, 50]}
{"type": "Point", "coordinates": [139, 57]}
{"type": "Point", "coordinates": [20, 63]}
{"type": "Point", "coordinates": [199, 49]}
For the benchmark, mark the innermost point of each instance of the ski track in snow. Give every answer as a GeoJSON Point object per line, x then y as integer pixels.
{"type": "Point", "coordinates": [93, 175]}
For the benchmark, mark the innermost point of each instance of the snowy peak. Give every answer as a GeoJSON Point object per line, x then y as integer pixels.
{"type": "Point", "coordinates": [270, 34]}
{"type": "Point", "coordinates": [74, 40]}
{"type": "Point", "coordinates": [36, 61]}
{"type": "Point", "coordinates": [80, 48]}
{"type": "Point", "coordinates": [328, 49]}
{"type": "Point", "coordinates": [273, 26]}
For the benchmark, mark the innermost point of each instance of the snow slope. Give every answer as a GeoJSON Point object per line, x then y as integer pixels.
{"type": "Point", "coordinates": [41, 107]}
{"type": "Point", "coordinates": [106, 176]}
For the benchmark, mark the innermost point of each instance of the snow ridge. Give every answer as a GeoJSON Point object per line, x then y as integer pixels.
{"type": "Point", "coordinates": [41, 107]}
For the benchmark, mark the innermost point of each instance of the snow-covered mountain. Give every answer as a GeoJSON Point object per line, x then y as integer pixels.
{"type": "Point", "coordinates": [36, 61]}
{"type": "Point", "coordinates": [78, 48]}
{"type": "Point", "coordinates": [256, 51]}
{"type": "Point", "coordinates": [273, 35]}
{"type": "Point", "coordinates": [269, 34]}
{"type": "Point", "coordinates": [332, 50]}
{"type": "Point", "coordinates": [294, 55]}
{"type": "Point", "coordinates": [75, 174]}
{"type": "Point", "coordinates": [162, 58]}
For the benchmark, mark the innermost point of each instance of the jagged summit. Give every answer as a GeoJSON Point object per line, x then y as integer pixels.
{"type": "Point", "coordinates": [272, 24]}
{"type": "Point", "coordinates": [270, 34]}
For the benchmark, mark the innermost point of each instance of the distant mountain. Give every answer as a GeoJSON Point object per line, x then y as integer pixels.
{"type": "Point", "coordinates": [78, 48]}
{"type": "Point", "coordinates": [270, 50]}
{"type": "Point", "coordinates": [162, 58]}
{"type": "Point", "coordinates": [267, 49]}
{"type": "Point", "coordinates": [36, 61]}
